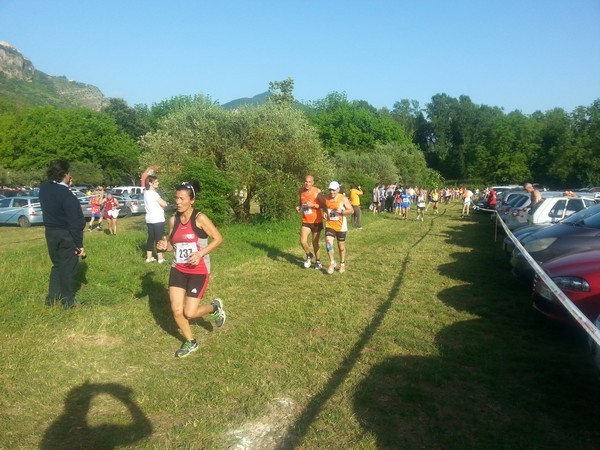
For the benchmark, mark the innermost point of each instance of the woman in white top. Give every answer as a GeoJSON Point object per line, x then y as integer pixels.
{"type": "Point", "coordinates": [155, 218]}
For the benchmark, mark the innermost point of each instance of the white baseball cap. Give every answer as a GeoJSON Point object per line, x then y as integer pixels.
{"type": "Point", "coordinates": [334, 185]}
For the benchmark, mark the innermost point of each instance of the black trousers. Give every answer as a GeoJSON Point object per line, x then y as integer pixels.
{"type": "Point", "coordinates": [65, 263]}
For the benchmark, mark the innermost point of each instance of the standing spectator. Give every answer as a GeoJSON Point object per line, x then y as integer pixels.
{"type": "Point", "coordinates": [155, 218]}
{"type": "Point", "coordinates": [467, 196]}
{"type": "Point", "coordinates": [111, 212]}
{"type": "Point", "coordinates": [355, 193]}
{"type": "Point", "coordinates": [312, 220]}
{"type": "Point", "coordinates": [536, 197]}
{"type": "Point", "coordinates": [189, 233]}
{"type": "Point", "coordinates": [337, 207]}
{"type": "Point", "coordinates": [491, 198]}
{"type": "Point", "coordinates": [389, 198]}
{"type": "Point", "coordinates": [64, 222]}
{"type": "Point", "coordinates": [97, 201]}
{"type": "Point", "coordinates": [376, 198]}
{"type": "Point", "coordinates": [381, 197]}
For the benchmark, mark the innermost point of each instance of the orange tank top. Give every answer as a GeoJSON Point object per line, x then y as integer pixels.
{"type": "Point", "coordinates": [335, 220]}
{"type": "Point", "coordinates": [310, 214]}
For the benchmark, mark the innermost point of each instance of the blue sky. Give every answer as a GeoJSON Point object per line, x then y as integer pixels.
{"type": "Point", "coordinates": [527, 55]}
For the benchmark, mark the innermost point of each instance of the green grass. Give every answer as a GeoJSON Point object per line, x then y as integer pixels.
{"type": "Point", "coordinates": [425, 342]}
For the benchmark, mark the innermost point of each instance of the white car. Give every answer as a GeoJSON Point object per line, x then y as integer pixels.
{"type": "Point", "coordinates": [517, 216]}
{"type": "Point", "coordinates": [127, 190]}
{"type": "Point", "coordinates": [553, 210]}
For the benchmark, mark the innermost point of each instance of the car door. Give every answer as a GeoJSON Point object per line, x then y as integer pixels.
{"type": "Point", "coordinates": [5, 210]}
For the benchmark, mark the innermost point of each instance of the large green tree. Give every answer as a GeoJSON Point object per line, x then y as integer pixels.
{"type": "Point", "coordinates": [345, 125]}
{"type": "Point", "coordinates": [129, 120]}
{"type": "Point", "coordinates": [31, 138]}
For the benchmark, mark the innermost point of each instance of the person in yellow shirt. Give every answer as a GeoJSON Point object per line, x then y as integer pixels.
{"type": "Point", "coordinates": [355, 193]}
{"type": "Point", "coordinates": [336, 208]}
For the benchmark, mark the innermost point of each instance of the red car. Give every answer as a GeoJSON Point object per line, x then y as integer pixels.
{"type": "Point", "coordinates": [578, 276]}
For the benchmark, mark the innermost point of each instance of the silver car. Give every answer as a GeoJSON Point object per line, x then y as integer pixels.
{"type": "Point", "coordinates": [23, 211]}
{"type": "Point", "coordinates": [137, 205]}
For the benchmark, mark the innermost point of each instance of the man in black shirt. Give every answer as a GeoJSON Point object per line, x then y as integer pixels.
{"type": "Point", "coordinates": [64, 223]}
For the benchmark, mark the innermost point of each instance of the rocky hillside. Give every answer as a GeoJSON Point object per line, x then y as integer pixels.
{"type": "Point", "coordinates": [21, 85]}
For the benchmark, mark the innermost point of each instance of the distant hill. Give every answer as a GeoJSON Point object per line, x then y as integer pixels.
{"type": "Point", "coordinates": [254, 101]}
{"type": "Point", "coordinates": [22, 86]}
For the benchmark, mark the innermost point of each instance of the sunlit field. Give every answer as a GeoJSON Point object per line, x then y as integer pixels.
{"type": "Point", "coordinates": [425, 342]}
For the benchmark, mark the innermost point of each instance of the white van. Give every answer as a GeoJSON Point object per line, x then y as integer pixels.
{"type": "Point", "coordinates": [127, 190]}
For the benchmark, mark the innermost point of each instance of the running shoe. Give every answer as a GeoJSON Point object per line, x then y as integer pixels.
{"type": "Point", "coordinates": [318, 265]}
{"type": "Point", "coordinates": [342, 267]}
{"type": "Point", "coordinates": [186, 348]}
{"type": "Point", "coordinates": [331, 267]}
{"type": "Point", "coordinates": [149, 260]}
{"type": "Point", "coordinates": [307, 263]}
{"type": "Point", "coordinates": [219, 315]}
{"type": "Point", "coordinates": [161, 261]}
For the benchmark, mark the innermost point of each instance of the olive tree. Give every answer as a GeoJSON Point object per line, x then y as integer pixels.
{"type": "Point", "coordinates": [266, 151]}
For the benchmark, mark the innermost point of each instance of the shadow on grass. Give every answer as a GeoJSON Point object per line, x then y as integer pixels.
{"type": "Point", "coordinates": [500, 381]}
{"type": "Point", "coordinates": [81, 277]}
{"type": "Point", "coordinates": [276, 254]}
{"type": "Point", "coordinates": [300, 427]}
{"type": "Point", "coordinates": [72, 429]}
{"type": "Point", "coordinates": [160, 306]}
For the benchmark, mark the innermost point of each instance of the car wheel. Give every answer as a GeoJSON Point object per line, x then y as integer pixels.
{"type": "Point", "coordinates": [125, 212]}
{"type": "Point", "coordinates": [24, 222]}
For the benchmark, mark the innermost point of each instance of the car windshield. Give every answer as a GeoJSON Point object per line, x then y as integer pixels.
{"type": "Point", "coordinates": [514, 199]}
{"type": "Point", "coordinates": [591, 222]}
{"type": "Point", "coordinates": [581, 216]}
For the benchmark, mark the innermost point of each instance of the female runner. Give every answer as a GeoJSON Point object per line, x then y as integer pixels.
{"type": "Point", "coordinates": [189, 233]}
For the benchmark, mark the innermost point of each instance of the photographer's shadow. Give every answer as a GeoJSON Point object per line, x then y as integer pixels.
{"type": "Point", "coordinates": [72, 429]}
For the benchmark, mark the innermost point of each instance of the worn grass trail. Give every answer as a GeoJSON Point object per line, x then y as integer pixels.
{"type": "Point", "coordinates": [425, 342]}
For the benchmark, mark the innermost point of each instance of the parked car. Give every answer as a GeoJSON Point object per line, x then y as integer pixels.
{"type": "Point", "coordinates": [520, 233]}
{"type": "Point", "coordinates": [23, 211]}
{"type": "Point", "coordinates": [546, 213]}
{"type": "Point", "coordinates": [137, 205]}
{"type": "Point", "coordinates": [517, 216]}
{"type": "Point", "coordinates": [121, 190]}
{"type": "Point", "coordinates": [578, 276]}
{"type": "Point", "coordinates": [514, 199]}
{"type": "Point", "coordinates": [124, 205]}
{"type": "Point", "coordinates": [596, 350]}
{"type": "Point", "coordinates": [577, 233]}
{"type": "Point", "coordinates": [553, 210]}
{"type": "Point", "coordinates": [481, 202]}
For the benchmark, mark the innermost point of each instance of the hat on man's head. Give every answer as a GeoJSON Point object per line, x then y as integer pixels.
{"type": "Point", "coordinates": [334, 185]}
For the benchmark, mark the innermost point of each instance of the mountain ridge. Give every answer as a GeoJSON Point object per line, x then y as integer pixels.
{"type": "Point", "coordinates": [22, 85]}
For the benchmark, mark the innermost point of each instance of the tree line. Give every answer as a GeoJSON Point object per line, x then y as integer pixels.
{"type": "Point", "coordinates": [266, 150]}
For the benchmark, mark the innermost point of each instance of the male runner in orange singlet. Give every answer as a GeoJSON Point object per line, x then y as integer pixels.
{"type": "Point", "coordinates": [309, 205]}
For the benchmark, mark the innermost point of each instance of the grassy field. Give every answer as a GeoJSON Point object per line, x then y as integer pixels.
{"type": "Point", "coordinates": [425, 342]}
